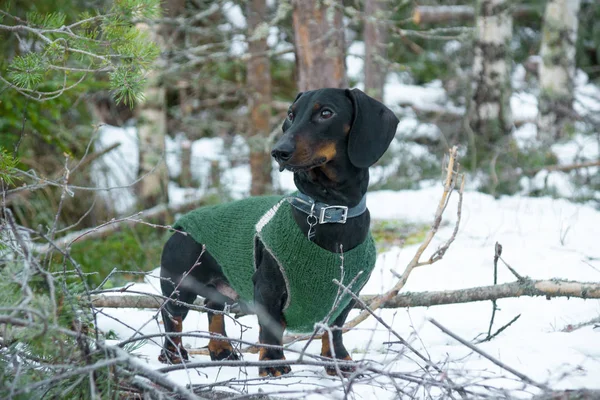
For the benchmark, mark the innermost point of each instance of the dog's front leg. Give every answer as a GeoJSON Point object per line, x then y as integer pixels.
{"type": "Point", "coordinates": [269, 298]}
{"type": "Point", "coordinates": [339, 350]}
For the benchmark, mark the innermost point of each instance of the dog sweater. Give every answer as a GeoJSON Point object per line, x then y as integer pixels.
{"type": "Point", "coordinates": [229, 232]}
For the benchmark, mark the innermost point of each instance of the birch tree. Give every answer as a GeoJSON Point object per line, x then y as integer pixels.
{"type": "Point", "coordinates": [320, 46]}
{"type": "Point", "coordinates": [259, 97]}
{"type": "Point", "coordinates": [375, 47]}
{"type": "Point", "coordinates": [152, 120]}
{"type": "Point", "coordinates": [489, 115]}
{"type": "Point", "coordinates": [557, 68]}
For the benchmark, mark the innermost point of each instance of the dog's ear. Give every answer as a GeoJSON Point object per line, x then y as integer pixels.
{"type": "Point", "coordinates": [297, 97]}
{"type": "Point", "coordinates": [373, 128]}
{"type": "Point", "coordinates": [287, 122]}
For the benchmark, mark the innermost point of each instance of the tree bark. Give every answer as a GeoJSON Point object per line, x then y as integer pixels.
{"type": "Point", "coordinates": [320, 46]}
{"type": "Point", "coordinates": [557, 69]}
{"type": "Point", "coordinates": [375, 37]}
{"type": "Point", "coordinates": [259, 98]}
{"type": "Point", "coordinates": [489, 115]}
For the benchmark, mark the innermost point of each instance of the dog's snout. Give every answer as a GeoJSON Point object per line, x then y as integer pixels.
{"type": "Point", "coordinates": [283, 152]}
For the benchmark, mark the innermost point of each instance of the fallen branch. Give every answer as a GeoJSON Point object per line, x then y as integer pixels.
{"type": "Point", "coordinates": [449, 114]}
{"type": "Point", "coordinates": [548, 288]}
{"type": "Point", "coordinates": [563, 168]}
{"type": "Point", "coordinates": [443, 14]}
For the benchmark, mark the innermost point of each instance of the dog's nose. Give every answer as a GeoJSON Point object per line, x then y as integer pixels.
{"type": "Point", "coordinates": [282, 153]}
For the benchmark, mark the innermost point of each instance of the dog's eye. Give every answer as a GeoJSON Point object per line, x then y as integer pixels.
{"type": "Point", "coordinates": [291, 116]}
{"type": "Point", "coordinates": [326, 113]}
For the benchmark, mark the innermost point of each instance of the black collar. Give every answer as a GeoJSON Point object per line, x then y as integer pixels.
{"type": "Point", "coordinates": [325, 213]}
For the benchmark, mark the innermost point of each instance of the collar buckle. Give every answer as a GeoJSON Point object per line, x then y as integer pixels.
{"type": "Point", "coordinates": [325, 217]}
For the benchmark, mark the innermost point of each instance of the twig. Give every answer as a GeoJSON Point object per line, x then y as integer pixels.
{"type": "Point", "coordinates": [502, 328]}
{"type": "Point", "coordinates": [448, 186]}
{"type": "Point", "coordinates": [113, 225]}
{"type": "Point", "coordinates": [90, 158]}
{"type": "Point", "coordinates": [400, 338]}
{"type": "Point", "coordinates": [499, 363]}
{"type": "Point", "coordinates": [497, 253]}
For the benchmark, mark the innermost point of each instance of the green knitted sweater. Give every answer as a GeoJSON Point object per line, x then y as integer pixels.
{"type": "Point", "coordinates": [229, 231]}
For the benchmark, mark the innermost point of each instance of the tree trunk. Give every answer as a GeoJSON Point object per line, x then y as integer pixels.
{"type": "Point", "coordinates": [375, 37]}
{"type": "Point", "coordinates": [152, 129]}
{"type": "Point", "coordinates": [557, 69]}
{"type": "Point", "coordinates": [489, 115]}
{"type": "Point", "coordinates": [152, 120]}
{"type": "Point", "coordinates": [259, 98]}
{"type": "Point", "coordinates": [320, 46]}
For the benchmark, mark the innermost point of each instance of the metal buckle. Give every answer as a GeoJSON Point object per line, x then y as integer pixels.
{"type": "Point", "coordinates": [344, 214]}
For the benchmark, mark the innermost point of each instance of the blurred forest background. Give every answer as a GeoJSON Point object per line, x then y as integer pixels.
{"type": "Point", "coordinates": [109, 108]}
{"type": "Point", "coordinates": [142, 83]}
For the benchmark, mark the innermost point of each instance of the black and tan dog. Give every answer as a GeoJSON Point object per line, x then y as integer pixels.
{"type": "Point", "coordinates": [280, 254]}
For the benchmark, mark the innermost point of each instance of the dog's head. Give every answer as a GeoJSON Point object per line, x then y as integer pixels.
{"type": "Point", "coordinates": [326, 125]}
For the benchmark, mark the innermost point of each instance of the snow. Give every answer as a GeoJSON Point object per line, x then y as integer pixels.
{"type": "Point", "coordinates": [355, 61]}
{"type": "Point", "coordinates": [208, 153]}
{"type": "Point", "coordinates": [118, 168]}
{"type": "Point", "coordinates": [234, 14]}
{"type": "Point", "coordinates": [523, 106]}
{"type": "Point", "coordinates": [396, 92]}
{"type": "Point", "coordinates": [526, 135]}
{"type": "Point", "coordinates": [577, 149]}
{"type": "Point", "coordinates": [542, 238]}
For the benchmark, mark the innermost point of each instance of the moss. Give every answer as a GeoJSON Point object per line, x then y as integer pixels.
{"type": "Point", "coordinates": [388, 233]}
{"type": "Point", "coordinates": [135, 249]}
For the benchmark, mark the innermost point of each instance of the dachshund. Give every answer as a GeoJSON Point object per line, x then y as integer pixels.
{"type": "Point", "coordinates": [277, 256]}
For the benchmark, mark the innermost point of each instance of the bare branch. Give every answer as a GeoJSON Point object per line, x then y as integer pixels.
{"type": "Point", "coordinates": [448, 187]}
{"type": "Point", "coordinates": [548, 288]}
{"type": "Point", "coordinates": [499, 363]}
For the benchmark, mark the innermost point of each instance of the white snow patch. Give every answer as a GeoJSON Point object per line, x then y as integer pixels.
{"type": "Point", "coordinates": [396, 93]}
{"type": "Point", "coordinates": [118, 168]}
{"type": "Point", "coordinates": [587, 97]}
{"type": "Point", "coordinates": [579, 148]}
{"type": "Point", "coordinates": [556, 181]}
{"type": "Point", "coordinates": [524, 106]}
{"type": "Point", "coordinates": [234, 14]}
{"type": "Point", "coordinates": [238, 46]}
{"type": "Point", "coordinates": [518, 77]}
{"type": "Point", "coordinates": [526, 135]}
{"type": "Point", "coordinates": [452, 46]}
{"type": "Point", "coordinates": [542, 238]}
{"type": "Point", "coordinates": [273, 37]}
{"type": "Point", "coordinates": [355, 61]}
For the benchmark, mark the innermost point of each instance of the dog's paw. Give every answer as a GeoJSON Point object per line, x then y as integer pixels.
{"type": "Point", "coordinates": [346, 370]}
{"type": "Point", "coordinates": [269, 355]}
{"type": "Point", "coordinates": [221, 350]}
{"type": "Point", "coordinates": [274, 371]}
{"type": "Point", "coordinates": [171, 355]}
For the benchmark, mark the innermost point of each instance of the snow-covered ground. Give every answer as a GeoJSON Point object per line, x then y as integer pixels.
{"type": "Point", "coordinates": [542, 238]}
